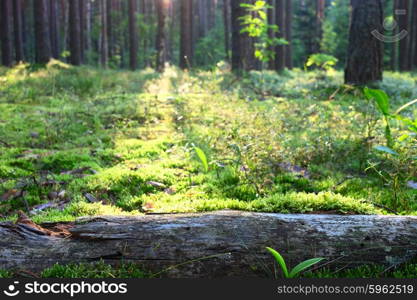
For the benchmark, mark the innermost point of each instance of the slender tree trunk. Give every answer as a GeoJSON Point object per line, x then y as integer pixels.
{"type": "Point", "coordinates": [133, 35]}
{"type": "Point", "coordinates": [83, 19]}
{"type": "Point", "coordinates": [171, 25]}
{"type": "Point", "coordinates": [196, 22]}
{"type": "Point", "coordinates": [54, 25]}
{"type": "Point", "coordinates": [413, 37]}
{"type": "Point", "coordinates": [110, 36]}
{"type": "Point", "coordinates": [42, 36]}
{"type": "Point", "coordinates": [75, 40]}
{"type": "Point", "coordinates": [365, 53]}
{"type": "Point", "coordinates": [65, 27]}
{"type": "Point", "coordinates": [161, 51]}
{"type": "Point", "coordinates": [88, 38]}
{"type": "Point", "coordinates": [242, 43]}
{"type": "Point", "coordinates": [104, 47]}
{"type": "Point", "coordinates": [203, 18]}
{"type": "Point", "coordinates": [186, 55]}
{"type": "Point", "coordinates": [18, 30]}
{"type": "Point", "coordinates": [320, 8]}
{"type": "Point", "coordinates": [403, 24]}
{"type": "Point", "coordinates": [271, 33]}
{"type": "Point", "coordinates": [211, 14]}
{"type": "Point", "coordinates": [280, 22]}
{"type": "Point", "coordinates": [6, 32]}
{"type": "Point", "coordinates": [227, 25]}
{"type": "Point", "coordinates": [288, 34]}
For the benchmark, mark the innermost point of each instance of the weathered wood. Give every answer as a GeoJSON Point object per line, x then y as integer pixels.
{"type": "Point", "coordinates": [219, 244]}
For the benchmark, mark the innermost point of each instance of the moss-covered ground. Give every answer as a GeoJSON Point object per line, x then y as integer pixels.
{"type": "Point", "coordinates": [82, 141]}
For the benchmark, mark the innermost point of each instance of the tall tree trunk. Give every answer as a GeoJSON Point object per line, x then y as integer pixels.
{"type": "Point", "coordinates": [54, 25]}
{"type": "Point", "coordinates": [211, 14]}
{"type": "Point", "coordinates": [161, 51]}
{"type": "Point", "coordinates": [27, 53]}
{"type": "Point", "coordinates": [288, 34]}
{"type": "Point", "coordinates": [104, 48]}
{"type": "Point", "coordinates": [413, 38]}
{"type": "Point", "coordinates": [242, 43]}
{"type": "Point", "coordinates": [203, 18]}
{"type": "Point", "coordinates": [320, 8]}
{"type": "Point", "coordinates": [65, 25]}
{"type": "Point", "coordinates": [88, 38]}
{"type": "Point", "coordinates": [227, 29]}
{"type": "Point", "coordinates": [133, 35]}
{"type": "Point", "coordinates": [403, 24]}
{"type": "Point", "coordinates": [6, 32]}
{"type": "Point", "coordinates": [42, 36]}
{"type": "Point", "coordinates": [75, 40]}
{"type": "Point", "coordinates": [280, 22]}
{"type": "Point", "coordinates": [110, 35]}
{"type": "Point", "coordinates": [171, 25]}
{"type": "Point", "coordinates": [186, 55]}
{"type": "Point", "coordinates": [83, 19]}
{"type": "Point", "coordinates": [365, 53]}
{"type": "Point", "coordinates": [271, 33]}
{"type": "Point", "coordinates": [18, 30]}
{"type": "Point", "coordinates": [394, 57]}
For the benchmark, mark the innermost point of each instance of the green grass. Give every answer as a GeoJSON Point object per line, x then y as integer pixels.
{"type": "Point", "coordinates": [103, 270]}
{"type": "Point", "coordinates": [273, 143]}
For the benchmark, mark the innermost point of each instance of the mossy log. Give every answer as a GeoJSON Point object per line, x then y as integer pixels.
{"type": "Point", "coordinates": [211, 245]}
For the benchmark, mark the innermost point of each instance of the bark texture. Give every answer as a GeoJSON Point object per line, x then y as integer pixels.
{"type": "Point", "coordinates": [365, 51]}
{"type": "Point", "coordinates": [6, 32]}
{"type": "Point", "coordinates": [242, 43]}
{"type": "Point", "coordinates": [161, 45]}
{"type": "Point", "coordinates": [18, 30]}
{"type": "Point", "coordinates": [42, 36]}
{"type": "Point", "coordinates": [219, 244]}
{"type": "Point", "coordinates": [280, 22]}
{"type": "Point", "coordinates": [133, 35]}
{"type": "Point", "coordinates": [186, 49]}
{"type": "Point", "coordinates": [75, 32]}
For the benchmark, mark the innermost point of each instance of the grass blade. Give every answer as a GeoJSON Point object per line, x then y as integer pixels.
{"type": "Point", "coordinates": [304, 265]}
{"type": "Point", "coordinates": [203, 158]}
{"type": "Point", "coordinates": [280, 260]}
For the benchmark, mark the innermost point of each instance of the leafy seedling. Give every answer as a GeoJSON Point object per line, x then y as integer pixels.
{"type": "Point", "coordinates": [203, 158]}
{"type": "Point", "coordinates": [297, 269]}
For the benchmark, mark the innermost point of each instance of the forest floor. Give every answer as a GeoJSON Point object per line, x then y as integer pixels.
{"type": "Point", "coordinates": [86, 142]}
{"type": "Point", "coordinates": [83, 141]}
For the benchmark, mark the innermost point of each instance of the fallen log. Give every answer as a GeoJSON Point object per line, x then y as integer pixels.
{"type": "Point", "coordinates": [211, 245]}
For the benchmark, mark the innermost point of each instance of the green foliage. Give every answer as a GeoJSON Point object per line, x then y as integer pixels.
{"type": "Point", "coordinates": [256, 25]}
{"type": "Point", "coordinates": [335, 30]}
{"type": "Point", "coordinates": [399, 170]}
{"type": "Point", "coordinates": [203, 158]}
{"type": "Point", "coordinates": [321, 61]}
{"type": "Point", "coordinates": [297, 269]}
{"type": "Point", "coordinates": [382, 100]}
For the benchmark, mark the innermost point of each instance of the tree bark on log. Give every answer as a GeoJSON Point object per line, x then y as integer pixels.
{"type": "Point", "coordinates": [212, 245]}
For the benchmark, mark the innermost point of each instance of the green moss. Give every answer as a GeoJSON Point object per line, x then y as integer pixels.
{"type": "Point", "coordinates": [286, 150]}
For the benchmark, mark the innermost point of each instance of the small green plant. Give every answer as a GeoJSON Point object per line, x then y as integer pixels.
{"type": "Point", "coordinates": [297, 269]}
{"type": "Point", "coordinates": [398, 171]}
{"type": "Point", "coordinates": [203, 158]}
{"type": "Point", "coordinates": [382, 101]}
{"type": "Point", "coordinates": [255, 24]}
{"type": "Point", "coordinates": [322, 61]}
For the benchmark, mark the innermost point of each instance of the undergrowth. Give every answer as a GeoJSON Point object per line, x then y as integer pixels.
{"type": "Point", "coordinates": [78, 141]}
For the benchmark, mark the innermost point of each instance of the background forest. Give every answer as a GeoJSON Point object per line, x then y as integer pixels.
{"type": "Point", "coordinates": [146, 33]}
